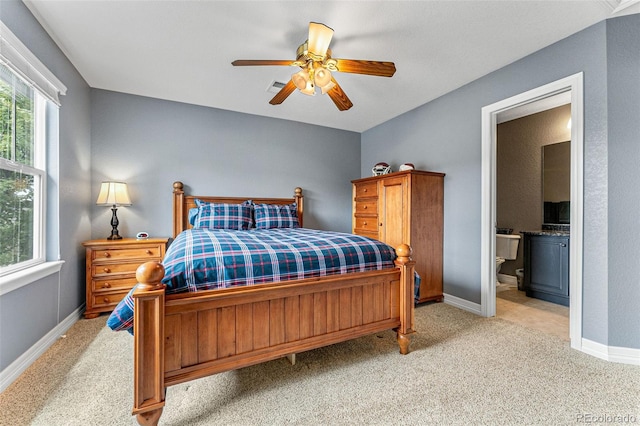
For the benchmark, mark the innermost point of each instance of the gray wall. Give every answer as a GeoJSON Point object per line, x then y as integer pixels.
{"type": "Point", "coordinates": [30, 312]}
{"type": "Point", "coordinates": [623, 57]}
{"type": "Point", "coordinates": [445, 135]}
{"type": "Point", "coordinates": [151, 143]}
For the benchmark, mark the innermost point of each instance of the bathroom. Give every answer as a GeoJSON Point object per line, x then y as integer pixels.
{"type": "Point", "coordinates": [521, 192]}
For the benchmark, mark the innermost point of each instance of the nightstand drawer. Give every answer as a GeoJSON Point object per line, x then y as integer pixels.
{"type": "Point", "coordinates": [102, 285]}
{"type": "Point", "coordinates": [369, 189]}
{"type": "Point", "coordinates": [366, 224]}
{"type": "Point", "coordinates": [115, 268]}
{"type": "Point", "coordinates": [147, 252]}
{"type": "Point", "coordinates": [109, 299]}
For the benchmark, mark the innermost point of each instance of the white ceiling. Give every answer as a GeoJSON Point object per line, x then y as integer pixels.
{"type": "Point", "coordinates": [182, 50]}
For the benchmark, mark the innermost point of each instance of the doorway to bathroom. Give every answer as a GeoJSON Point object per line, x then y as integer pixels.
{"type": "Point", "coordinates": [552, 95]}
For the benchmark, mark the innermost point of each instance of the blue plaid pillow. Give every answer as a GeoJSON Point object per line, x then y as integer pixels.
{"type": "Point", "coordinates": [223, 216]}
{"type": "Point", "coordinates": [276, 216]}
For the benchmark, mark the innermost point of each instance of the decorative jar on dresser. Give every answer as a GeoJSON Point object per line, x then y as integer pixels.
{"type": "Point", "coordinates": [405, 207]}
{"type": "Point", "coordinates": [111, 269]}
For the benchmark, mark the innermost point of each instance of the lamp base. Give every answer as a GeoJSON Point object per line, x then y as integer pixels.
{"type": "Point", "coordinates": [114, 225]}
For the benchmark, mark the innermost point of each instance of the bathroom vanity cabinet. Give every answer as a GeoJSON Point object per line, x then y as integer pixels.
{"type": "Point", "coordinates": [546, 266]}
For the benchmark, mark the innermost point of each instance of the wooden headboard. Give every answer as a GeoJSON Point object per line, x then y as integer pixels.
{"type": "Point", "coordinates": [182, 203]}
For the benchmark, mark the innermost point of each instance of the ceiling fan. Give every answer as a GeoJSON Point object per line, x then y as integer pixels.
{"type": "Point", "coordinates": [314, 57]}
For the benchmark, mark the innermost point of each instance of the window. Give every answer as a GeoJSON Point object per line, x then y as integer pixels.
{"type": "Point", "coordinates": [28, 130]}
{"type": "Point", "coordinates": [22, 174]}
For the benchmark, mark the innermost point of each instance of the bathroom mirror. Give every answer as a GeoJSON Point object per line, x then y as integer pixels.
{"type": "Point", "coordinates": [556, 183]}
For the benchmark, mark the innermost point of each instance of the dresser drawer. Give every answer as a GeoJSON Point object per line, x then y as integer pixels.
{"type": "Point", "coordinates": [369, 224]}
{"type": "Point", "coordinates": [373, 235]}
{"type": "Point", "coordinates": [107, 299]}
{"type": "Point", "coordinates": [113, 284]}
{"type": "Point", "coordinates": [104, 269]}
{"type": "Point", "coordinates": [145, 253]}
{"type": "Point", "coordinates": [368, 189]}
{"type": "Point", "coordinates": [367, 207]}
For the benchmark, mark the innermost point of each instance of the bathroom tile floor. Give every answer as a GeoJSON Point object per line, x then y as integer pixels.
{"type": "Point", "coordinates": [513, 305]}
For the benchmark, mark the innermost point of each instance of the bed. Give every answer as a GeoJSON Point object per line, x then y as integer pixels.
{"type": "Point", "coordinates": [185, 336]}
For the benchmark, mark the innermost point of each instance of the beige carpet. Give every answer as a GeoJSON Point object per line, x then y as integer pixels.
{"type": "Point", "coordinates": [463, 369]}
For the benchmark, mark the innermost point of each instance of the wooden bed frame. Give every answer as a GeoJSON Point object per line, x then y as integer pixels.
{"type": "Point", "coordinates": [183, 337]}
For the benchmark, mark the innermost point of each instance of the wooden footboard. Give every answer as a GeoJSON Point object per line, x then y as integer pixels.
{"type": "Point", "coordinates": [187, 336]}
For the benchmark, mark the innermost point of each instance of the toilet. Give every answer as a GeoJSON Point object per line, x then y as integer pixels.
{"type": "Point", "coordinates": [506, 249]}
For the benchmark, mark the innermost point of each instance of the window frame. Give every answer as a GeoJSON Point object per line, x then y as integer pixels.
{"type": "Point", "coordinates": [47, 88]}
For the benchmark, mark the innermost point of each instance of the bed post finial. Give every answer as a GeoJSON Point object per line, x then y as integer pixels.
{"type": "Point", "coordinates": [404, 253]}
{"type": "Point", "coordinates": [178, 186]}
{"type": "Point", "coordinates": [149, 275]}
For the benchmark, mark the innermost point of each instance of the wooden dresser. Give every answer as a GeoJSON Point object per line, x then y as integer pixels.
{"type": "Point", "coordinates": [111, 269]}
{"type": "Point", "coordinates": [405, 207]}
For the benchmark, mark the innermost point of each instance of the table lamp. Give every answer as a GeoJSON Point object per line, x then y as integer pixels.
{"type": "Point", "coordinates": [114, 194]}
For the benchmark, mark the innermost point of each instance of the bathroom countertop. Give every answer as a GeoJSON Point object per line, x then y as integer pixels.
{"type": "Point", "coordinates": [547, 232]}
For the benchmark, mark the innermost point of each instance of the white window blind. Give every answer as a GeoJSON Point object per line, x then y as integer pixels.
{"type": "Point", "coordinates": [16, 56]}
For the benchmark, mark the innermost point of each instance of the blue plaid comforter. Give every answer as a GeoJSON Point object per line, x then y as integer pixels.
{"type": "Point", "coordinates": [203, 259]}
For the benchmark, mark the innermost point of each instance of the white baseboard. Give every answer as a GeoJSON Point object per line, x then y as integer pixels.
{"type": "Point", "coordinates": [17, 367]}
{"type": "Point", "coordinates": [611, 353]}
{"type": "Point", "coordinates": [463, 304]}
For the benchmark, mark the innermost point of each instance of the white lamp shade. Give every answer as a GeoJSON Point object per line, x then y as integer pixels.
{"type": "Point", "coordinates": [319, 38]}
{"type": "Point", "coordinates": [327, 87]}
{"type": "Point", "coordinates": [322, 77]}
{"type": "Point", "coordinates": [300, 79]}
{"type": "Point", "coordinates": [303, 82]}
{"type": "Point", "coordinates": [310, 90]}
{"type": "Point", "coordinates": [113, 193]}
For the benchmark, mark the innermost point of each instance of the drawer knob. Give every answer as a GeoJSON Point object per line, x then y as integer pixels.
{"type": "Point", "coordinates": [106, 300]}
{"type": "Point", "coordinates": [107, 285]}
{"type": "Point", "coordinates": [107, 270]}
{"type": "Point", "coordinates": [149, 252]}
{"type": "Point", "coordinates": [364, 223]}
{"type": "Point", "coordinates": [107, 254]}
{"type": "Point", "coordinates": [365, 190]}
{"type": "Point", "coordinates": [364, 208]}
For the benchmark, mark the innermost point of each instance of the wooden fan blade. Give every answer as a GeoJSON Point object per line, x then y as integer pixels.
{"type": "Point", "coordinates": [338, 97]}
{"type": "Point", "coordinates": [253, 62]}
{"type": "Point", "coordinates": [356, 66]}
{"type": "Point", "coordinates": [283, 93]}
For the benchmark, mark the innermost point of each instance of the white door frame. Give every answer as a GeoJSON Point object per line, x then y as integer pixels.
{"type": "Point", "coordinates": [573, 83]}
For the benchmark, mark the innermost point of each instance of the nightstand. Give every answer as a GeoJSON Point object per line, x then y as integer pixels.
{"type": "Point", "coordinates": [111, 269]}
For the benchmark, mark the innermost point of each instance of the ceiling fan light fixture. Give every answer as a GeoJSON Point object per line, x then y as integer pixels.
{"type": "Point", "coordinates": [315, 59]}
{"type": "Point", "coordinates": [310, 90]}
{"type": "Point", "coordinates": [322, 76]}
{"type": "Point", "coordinates": [327, 87]}
{"type": "Point", "coordinates": [319, 38]}
{"type": "Point", "coordinates": [301, 79]}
